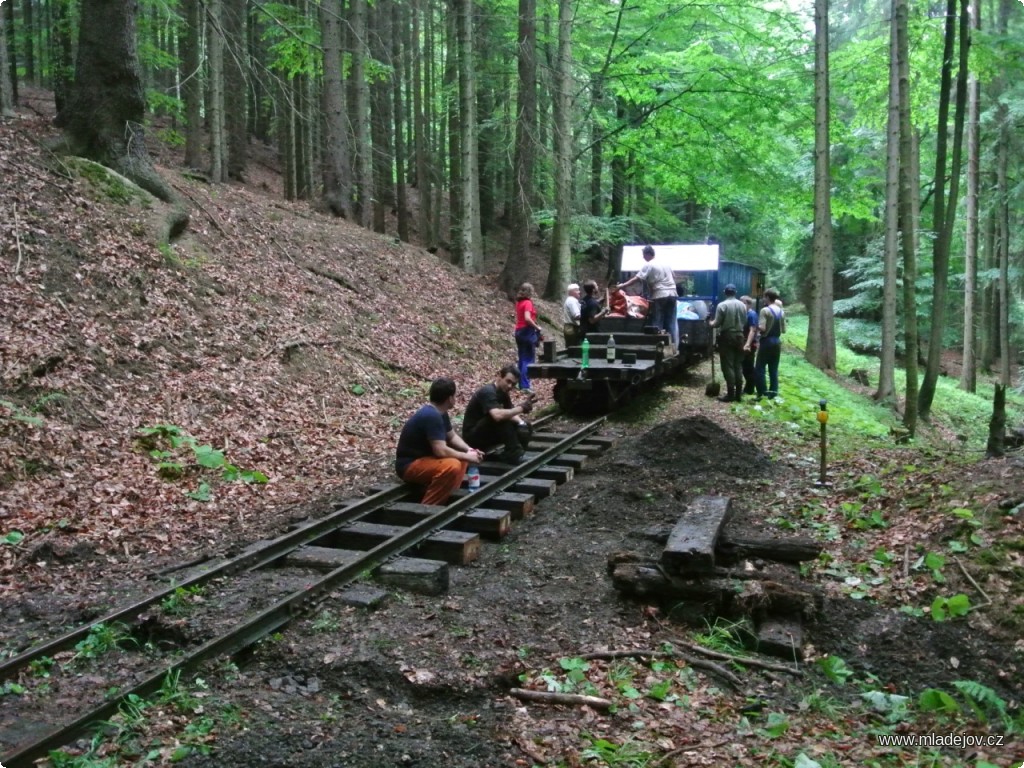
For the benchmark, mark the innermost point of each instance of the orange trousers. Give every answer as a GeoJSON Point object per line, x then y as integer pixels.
{"type": "Point", "coordinates": [439, 476]}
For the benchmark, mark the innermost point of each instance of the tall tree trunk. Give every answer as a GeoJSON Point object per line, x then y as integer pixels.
{"type": "Point", "coordinates": [379, 31]}
{"type": "Point", "coordinates": [63, 65]}
{"type": "Point", "coordinates": [1002, 209]}
{"type": "Point", "coordinates": [514, 272]}
{"type": "Point", "coordinates": [28, 38]}
{"type": "Point", "coordinates": [192, 89]}
{"type": "Point", "coordinates": [618, 207]}
{"type": "Point", "coordinates": [821, 338]}
{"type": "Point", "coordinates": [969, 366]}
{"type": "Point", "coordinates": [596, 147]}
{"type": "Point", "coordinates": [422, 94]}
{"type": "Point", "coordinates": [561, 246]}
{"type": "Point", "coordinates": [887, 368]}
{"type": "Point", "coordinates": [361, 115]}
{"type": "Point", "coordinates": [990, 297]}
{"type": "Point", "coordinates": [217, 103]}
{"type": "Point", "coordinates": [6, 88]}
{"type": "Point", "coordinates": [399, 22]}
{"type": "Point", "coordinates": [453, 134]}
{"type": "Point", "coordinates": [471, 246]}
{"type": "Point", "coordinates": [908, 218]}
{"type": "Point", "coordinates": [106, 106]}
{"type": "Point", "coordinates": [235, 81]}
{"type": "Point", "coordinates": [944, 213]}
{"type": "Point", "coordinates": [7, 9]}
{"type": "Point", "coordinates": [337, 174]}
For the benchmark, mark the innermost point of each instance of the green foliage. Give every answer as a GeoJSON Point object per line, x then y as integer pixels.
{"type": "Point", "coordinates": [12, 538]}
{"type": "Point", "coordinates": [723, 635]}
{"type": "Point", "coordinates": [934, 700]}
{"type": "Point", "coordinates": [950, 607]}
{"type": "Point", "coordinates": [17, 414]}
{"type": "Point", "coordinates": [11, 688]}
{"type": "Point", "coordinates": [854, 417]}
{"type": "Point", "coordinates": [986, 703]}
{"type": "Point", "coordinates": [835, 669]}
{"type": "Point", "coordinates": [181, 601]}
{"type": "Point", "coordinates": [102, 639]}
{"type": "Point", "coordinates": [294, 39]}
{"type": "Point", "coordinates": [166, 443]}
{"type": "Point", "coordinates": [629, 754]}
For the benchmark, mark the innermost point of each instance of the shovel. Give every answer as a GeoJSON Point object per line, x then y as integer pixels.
{"type": "Point", "coordinates": [714, 387]}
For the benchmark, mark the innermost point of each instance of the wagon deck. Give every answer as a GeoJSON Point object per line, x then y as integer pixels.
{"type": "Point", "coordinates": [641, 359]}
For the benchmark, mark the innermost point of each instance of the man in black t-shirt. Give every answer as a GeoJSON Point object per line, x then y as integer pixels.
{"type": "Point", "coordinates": [491, 419]}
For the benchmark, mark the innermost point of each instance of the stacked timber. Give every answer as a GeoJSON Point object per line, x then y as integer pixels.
{"type": "Point", "coordinates": [707, 570]}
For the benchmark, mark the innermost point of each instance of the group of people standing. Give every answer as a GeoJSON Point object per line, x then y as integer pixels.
{"type": "Point", "coordinates": [581, 315]}
{"type": "Point", "coordinates": [749, 344]}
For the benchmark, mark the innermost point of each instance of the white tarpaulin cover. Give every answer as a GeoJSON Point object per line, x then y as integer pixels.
{"type": "Point", "coordinates": [682, 258]}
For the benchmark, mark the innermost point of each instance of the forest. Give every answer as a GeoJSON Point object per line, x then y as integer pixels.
{"type": "Point", "coordinates": [886, 135]}
{"type": "Point", "coordinates": [238, 240]}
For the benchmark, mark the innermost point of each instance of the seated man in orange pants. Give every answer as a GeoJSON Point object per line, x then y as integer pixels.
{"type": "Point", "coordinates": [429, 452]}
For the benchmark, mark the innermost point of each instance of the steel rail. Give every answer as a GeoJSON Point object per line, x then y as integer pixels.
{"type": "Point", "coordinates": [281, 613]}
{"type": "Point", "coordinates": [247, 561]}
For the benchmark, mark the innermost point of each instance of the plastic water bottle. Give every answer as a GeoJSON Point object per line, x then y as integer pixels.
{"type": "Point", "coordinates": [473, 478]}
{"type": "Point", "coordinates": [610, 353]}
{"type": "Point", "coordinates": [585, 362]}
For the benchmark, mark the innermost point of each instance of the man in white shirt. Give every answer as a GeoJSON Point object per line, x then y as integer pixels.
{"type": "Point", "coordinates": [662, 286]}
{"type": "Point", "coordinates": [571, 315]}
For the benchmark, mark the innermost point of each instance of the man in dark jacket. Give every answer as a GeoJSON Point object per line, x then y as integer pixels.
{"type": "Point", "coordinates": [491, 419]}
{"type": "Point", "coordinates": [730, 318]}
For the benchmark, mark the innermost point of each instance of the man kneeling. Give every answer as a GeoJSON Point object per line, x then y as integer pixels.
{"type": "Point", "coordinates": [429, 452]}
{"type": "Point", "coordinates": [492, 420]}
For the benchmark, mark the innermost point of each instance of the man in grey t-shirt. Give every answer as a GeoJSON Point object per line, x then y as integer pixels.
{"type": "Point", "coordinates": [662, 286]}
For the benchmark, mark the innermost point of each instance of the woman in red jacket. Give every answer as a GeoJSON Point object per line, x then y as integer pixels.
{"type": "Point", "coordinates": [527, 332]}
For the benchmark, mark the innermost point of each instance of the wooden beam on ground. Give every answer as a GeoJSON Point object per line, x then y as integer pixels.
{"type": "Point", "coordinates": [575, 461]}
{"type": "Point", "coordinates": [787, 549]}
{"type": "Point", "coordinates": [414, 574]}
{"type": "Point", "coordinates": [690, 548]}
{"type": "Point", "coordinates": [456, 547]}
{"type": "Point", "coordinates": [782, 637]}
{"type": "Point", "coordinates": [519, 504]}
{"type": "Point", "coordinates": [489, 523]}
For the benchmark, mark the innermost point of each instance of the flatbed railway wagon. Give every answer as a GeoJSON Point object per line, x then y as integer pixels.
{"type": "Point", "coordinates": [640, 359]}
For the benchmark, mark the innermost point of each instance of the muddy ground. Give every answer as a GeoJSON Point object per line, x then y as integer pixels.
{"type": "Point", "coordinates": [424, 681]}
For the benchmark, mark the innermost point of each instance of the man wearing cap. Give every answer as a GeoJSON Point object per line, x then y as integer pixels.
{"type": "Point", "coordinates": [571, 315]}
{"type": "Point", "coordinates": [661, 283]}
{"type": "Point", "coordinates": [730, 317]}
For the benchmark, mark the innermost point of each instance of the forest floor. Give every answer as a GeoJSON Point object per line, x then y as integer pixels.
{"type": "Point", "coordinates": [296, 344]}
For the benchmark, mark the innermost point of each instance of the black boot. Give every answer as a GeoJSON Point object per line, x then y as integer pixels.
{"type": "Point", "coordinates": [729, 396]}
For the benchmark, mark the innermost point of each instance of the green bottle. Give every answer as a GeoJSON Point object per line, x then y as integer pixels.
{"type": "Point", "coordinates": [586, 353]}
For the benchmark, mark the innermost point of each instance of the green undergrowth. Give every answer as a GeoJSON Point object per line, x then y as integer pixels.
{"type": "Point", "coordinates": [854, 417]}
{"type": "Point", "coordinates": [833, 715]}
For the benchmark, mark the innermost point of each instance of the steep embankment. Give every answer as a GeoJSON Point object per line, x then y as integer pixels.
{"type": "Point", "coordinates": [292, 342]}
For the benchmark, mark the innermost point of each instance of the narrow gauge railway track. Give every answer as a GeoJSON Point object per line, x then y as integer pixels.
{"type": "Point", "coordinates": [554, 460]}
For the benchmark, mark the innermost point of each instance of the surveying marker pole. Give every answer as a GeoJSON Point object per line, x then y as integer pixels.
{"type": "Point", "coordinates": [823, 420]}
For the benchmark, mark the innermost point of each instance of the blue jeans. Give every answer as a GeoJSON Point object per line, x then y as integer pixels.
{"type": "Point", "coordinates": [768, 354]}
{"type": "Point", "coordinates": [663, 317]}
{"type": "Point", "coordinates": [526, 348]}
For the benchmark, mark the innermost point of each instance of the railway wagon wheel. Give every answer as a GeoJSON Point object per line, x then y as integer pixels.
{"type": "Point", "coordinates": [602, 398]}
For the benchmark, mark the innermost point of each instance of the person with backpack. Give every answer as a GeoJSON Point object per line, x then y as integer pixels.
{"type": "Point", "coordinates": [749, 347]}
{"type": "Point", "coordinates": [771, 324]}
